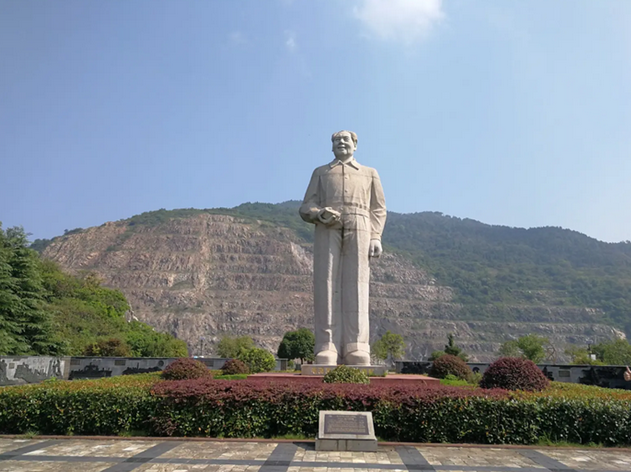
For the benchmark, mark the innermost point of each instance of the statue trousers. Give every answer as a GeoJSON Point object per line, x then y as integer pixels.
{"type": "Point", "coordinates": [341, 272]}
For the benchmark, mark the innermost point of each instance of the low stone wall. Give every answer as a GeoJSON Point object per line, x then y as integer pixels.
{"type": "Point", "coordinates": [20, 370]}
{"type": "Point", "coordinates": [99, 367]}
{"type": "Point", "coordinates": [33, 369]}
{"type": "Point", "coordinates": [609, 376]}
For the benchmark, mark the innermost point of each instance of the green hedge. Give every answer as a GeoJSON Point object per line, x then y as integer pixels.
{"type": "Point", "coordinates": [90, 407]}
{"type": "Point", "coordinates": [220, 408]}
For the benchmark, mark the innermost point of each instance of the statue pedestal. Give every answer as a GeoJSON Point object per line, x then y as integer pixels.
{"type": "Point", "coordinates": [392, 380]}
{"type": "Point", "coordinates": [322, 369]}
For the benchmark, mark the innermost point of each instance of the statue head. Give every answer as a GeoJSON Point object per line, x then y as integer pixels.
{"type": "Point", "coordinates": [344, 144]}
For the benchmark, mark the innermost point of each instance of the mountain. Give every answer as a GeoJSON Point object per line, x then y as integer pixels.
{"type": "Point", "coordinates": [202, 274]}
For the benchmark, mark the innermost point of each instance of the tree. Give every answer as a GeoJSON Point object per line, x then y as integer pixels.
{"type": "Point", "coordinates": [112, 347]}
{"type": "Point", "coordinates": [144, 341]}
{"type": "Point", "coordinates": [297, 344]}
{"type": "Point", "coordinates": [389, 347]}
{"type": "Point", "coordinates": [453, 350]}
{"type": "Point", "coordinates": [25, 326]}
{"type": "Point", "coordinates": [581, 355]}
{"type": "Point", "coordinates": [617, 352]}
{"type": "Point", "coordinates": [510, 349]}
{"type": "Point", "coordinates": [530, 347]}
{"type": "Point", "coordinates": [8, 300]}
{"type": "Point", "coordinates": [258, 360]}
{"type": "Point", "coordinates": [230, 347]}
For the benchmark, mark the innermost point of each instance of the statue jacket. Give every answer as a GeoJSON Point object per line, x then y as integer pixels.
{"type": "Point", "coordinates": [352, 189]}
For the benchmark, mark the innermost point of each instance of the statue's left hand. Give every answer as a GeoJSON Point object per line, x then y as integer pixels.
{"type": "Point", "coordinates": [375, 248]}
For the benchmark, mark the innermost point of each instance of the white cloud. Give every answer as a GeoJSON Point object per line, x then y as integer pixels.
{"type": "Point", "coordinates": [400, 20]}
{"type": "Point", "coordinates": [290, 42]}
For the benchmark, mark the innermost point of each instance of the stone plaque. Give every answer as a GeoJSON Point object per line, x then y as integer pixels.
{"type": "Point", "coordinates": [346, 431]}
{"type": "Point", "coordinates": [345, 424]}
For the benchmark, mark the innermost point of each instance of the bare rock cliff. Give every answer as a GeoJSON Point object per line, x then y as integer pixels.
{"type": "Point", "coordinates": [206, 276]}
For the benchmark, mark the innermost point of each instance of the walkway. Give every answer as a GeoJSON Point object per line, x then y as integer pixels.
{"type": "Point", "coordinates": [160, 455]}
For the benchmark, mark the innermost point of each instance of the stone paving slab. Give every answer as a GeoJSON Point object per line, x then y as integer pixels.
{"type": "Point", "coordinates": [195, 468]}
{"type": "Point", "coordinates": [578, 459]}
{"type": "Point", "coordinates": [39, 466]}
{"type": "Point", "coordinates": [160, 455]}
{"type": "Point", "coordinates": [477, 457]}
{"type": "Point", "coordinates": [306, 453]}
{"type": "Point", "coordinates": [222, 450]}
{"type": "Point", "coordinates": [7, 446]}
{"type": "Point", "coordinates": [106, 448]}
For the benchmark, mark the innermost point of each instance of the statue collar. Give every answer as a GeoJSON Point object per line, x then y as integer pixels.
{"type": "Point", "coordinates": [353, 163]}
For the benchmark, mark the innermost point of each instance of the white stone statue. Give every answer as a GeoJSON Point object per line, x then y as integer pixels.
{"type": "Point", "coordinates": [345, 202]}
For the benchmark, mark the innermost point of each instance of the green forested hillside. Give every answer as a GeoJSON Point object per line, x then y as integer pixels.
{"type": "Point", "coordinates": [490, 267]}
{"type": "Point", "coordinates": [495, 265]}
{"type": "Point", "coordinates": [44, 311]}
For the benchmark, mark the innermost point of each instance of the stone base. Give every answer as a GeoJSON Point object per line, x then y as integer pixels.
{"type": "Point", "coordinates": [391, 380]}
{"type": "Point", "coordinates": [322, 369]}
{"type": "Point", "coordinates": [346, 445]}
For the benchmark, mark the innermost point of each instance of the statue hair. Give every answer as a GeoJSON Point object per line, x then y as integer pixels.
{"type": "Point", "coordinates": [353, 135]}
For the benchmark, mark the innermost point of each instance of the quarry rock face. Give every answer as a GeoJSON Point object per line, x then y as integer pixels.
{"type": "Point", "coordinates": [207, 276]}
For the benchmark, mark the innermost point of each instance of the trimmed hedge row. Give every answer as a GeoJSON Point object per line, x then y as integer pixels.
{"type": "Point", "coordinates": [249, 409]}
{"type": "Point", "coordinates": [91, 407]}
{"type": "Point", "coordinates": [217, 408]}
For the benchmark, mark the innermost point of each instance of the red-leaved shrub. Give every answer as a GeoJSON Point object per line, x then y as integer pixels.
{"type": "Point", "coordinates": [514, 373]}
{"type": "Point", "coordinates": [186, 368]}
{"type": "Point", "coordinates": [249, 408]}
{"type": "Point", "coordinates": [448, 364]}
{"type": "Point", "coordinates": [235, 366]}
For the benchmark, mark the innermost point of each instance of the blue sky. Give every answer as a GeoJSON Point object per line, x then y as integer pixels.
{"type": "Point", "coordinates": [515, 113]}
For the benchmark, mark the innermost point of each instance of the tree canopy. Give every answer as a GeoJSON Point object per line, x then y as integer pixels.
{"type": "Point", "coordinates": [450, 348]}
{"type": "Point", "coordinates": [389, 347]}
{"type": "Point", "coordinates": [26, 327]}
{"type": "Point", "coordinates": [617, 352]}
{"type": "Point", "coordinates": [297, 344]}
{"type": "Point", "coordinates": [530, 347]}
{"type": "Point", "coordinates": [231, 347]}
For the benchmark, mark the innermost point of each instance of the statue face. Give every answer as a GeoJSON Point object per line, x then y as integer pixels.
{"type": "Point", "coordinates": [343, 145]}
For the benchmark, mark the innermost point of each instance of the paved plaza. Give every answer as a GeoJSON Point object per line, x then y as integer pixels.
{"type": "Point", "coordinates": [160, 455]}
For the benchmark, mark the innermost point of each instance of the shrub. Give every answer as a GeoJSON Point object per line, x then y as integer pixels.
{"type": "Point", "coordinates": [186, 368]}
{"type": "Point", "coordinates": [450, 365]}
{"type": "Point", "coordinates": [112, 347]}
{"type": "Point", "coordinates": [453, 381]}
{"type": "Point", "coordinates": [108, 406]}
{"type": "Point", "coordinates": [258, 360]}
{"type": "Point", "coordinates": [218, 408]}
{"type": "Point", "coordinates": [234, 366]}
{"type": "Point", "coordinates": [514, 373]}
{"type": "Point", "coordinates": [345, 374]}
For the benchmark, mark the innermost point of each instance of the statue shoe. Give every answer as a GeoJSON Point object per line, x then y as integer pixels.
{"type": "Point", "coordinates": [326, 358]}
{"type": "Point", "coordinates": [357, 358]}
